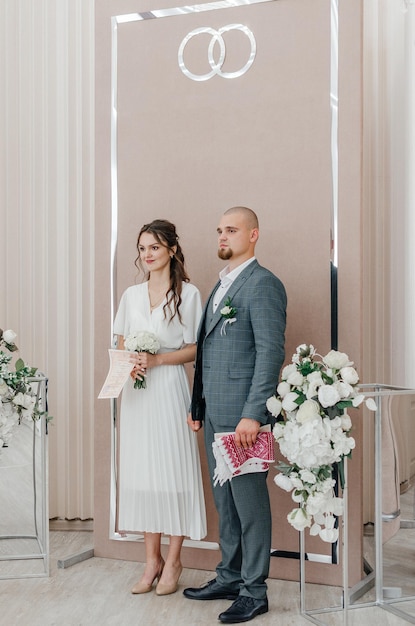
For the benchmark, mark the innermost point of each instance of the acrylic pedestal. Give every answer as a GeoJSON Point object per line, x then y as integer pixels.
{"type": "Point", "coordinates": [24, 519]}
{"type": "Point", "coordinates": [371, 591]}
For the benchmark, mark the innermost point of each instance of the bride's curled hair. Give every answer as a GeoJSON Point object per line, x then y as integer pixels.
{"type": "Point", "coordinates": [165, 233]}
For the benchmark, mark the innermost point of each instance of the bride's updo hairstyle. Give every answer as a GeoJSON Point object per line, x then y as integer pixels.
{"type": "Point", "coordinates": [164, 232]}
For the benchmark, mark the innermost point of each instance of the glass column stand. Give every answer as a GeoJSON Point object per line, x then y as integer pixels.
{"type": "Point", "coordinates": [311, 614]}
{"type": "Point", "coordinates": [24, 496]}
{"type": "Point", "coordinates": [378, 392]}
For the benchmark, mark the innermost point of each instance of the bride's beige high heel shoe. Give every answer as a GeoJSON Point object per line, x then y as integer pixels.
{"type": "Point", "coordinates": [143, 587]}
{"type": "Point", "coordinates": [165, 590]}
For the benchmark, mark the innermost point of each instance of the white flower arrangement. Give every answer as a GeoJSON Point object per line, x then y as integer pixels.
{"type": "Point", "coordinates": [142, 341]}
{"type": "Point", "coordinates": [312, 398]}
{"type": "Point", "coordinates": [17, 399]}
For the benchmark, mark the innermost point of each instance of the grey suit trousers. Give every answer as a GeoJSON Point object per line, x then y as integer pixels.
{"type": "Point", "coordinates": [244, 527]}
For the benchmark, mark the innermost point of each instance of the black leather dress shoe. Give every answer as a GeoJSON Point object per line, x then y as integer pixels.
{"type": "Point", "coordinates": [211, 591]}
{"type": "Point", "coordinates": [244, 609]}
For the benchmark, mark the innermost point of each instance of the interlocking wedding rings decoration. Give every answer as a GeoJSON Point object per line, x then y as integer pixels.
{"type": "Point", "coordinates": [217, 65]}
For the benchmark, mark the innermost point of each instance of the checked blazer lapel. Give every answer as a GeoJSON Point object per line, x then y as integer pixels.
{"type": "Point", "coordinates": [233, 289]}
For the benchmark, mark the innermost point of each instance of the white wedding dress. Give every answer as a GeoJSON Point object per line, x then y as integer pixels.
{"type": "Point", "coordinates": [159, 481]}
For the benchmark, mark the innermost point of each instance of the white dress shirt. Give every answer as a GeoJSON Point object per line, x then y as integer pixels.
{"type": "Point", "coordinates": [226, 280]}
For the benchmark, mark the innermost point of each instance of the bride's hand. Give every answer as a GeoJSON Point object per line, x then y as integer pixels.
{"type": "Point", "coordinates": [137, 372]}
{"type": "Point", "coordinates": [145, 361]}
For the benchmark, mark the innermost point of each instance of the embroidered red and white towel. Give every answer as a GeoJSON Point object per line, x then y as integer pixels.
{"type": "Point", "coordinates": [233, 461]}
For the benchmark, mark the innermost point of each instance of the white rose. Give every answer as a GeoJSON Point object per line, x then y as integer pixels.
{"type": "Point", "coordinates": [343, 446]}
{"type": "Point", "coordinates": [278, 430]}
{"type": "Point", "coordinates": [288, 403]}
{"type": "Point", "coordinates": [312, 390]}
{"type": "Point", "coordinates": [349, 375]}
{"type": "Point", "coordinates": [335, 425]}
{"type": "Point", "coordinates": [288, 369]}
{"type": "Point", "coordinates": [295, 379]}
{"type": "Point", "coordinates": [283, 388]}
{"type": "Point", "coordinates": [18, 399]}
{"type": "Point", "coordinates": [326, 485]}
{"type": "Point", "coordinates": [328, 395]}
{"type": "Point", "coordinates": [299, 519]}
{"type": "Point", "coordinates": [307, 476]}
{"type": "Point", "coordinates": [284, 482]}
{"type": "Point", "coordinates": [309, 410]}
{"type": "Point", "coordinates": [9, 336]}
{"type": "Point", "coordinates": [24, 400]}
{"type": "Point", "coordinates": [336, 360]}
{"type": "Point", "coordinates": [3, 388]}
{"type": "Point", "coordinates": [315, 377]}
{"type": "Point", "coordinates": [345, 390]}
{"type": "Point", "coordinates": [226, 310]}
{"type": "Point", "coordinates": [314, 381]}
{"type": "Point", "coordinates": [316, 503]}
{"type": "Point", "coordinates": [346, 422]}
{"type": "Point", "coordinates": [274, 406]}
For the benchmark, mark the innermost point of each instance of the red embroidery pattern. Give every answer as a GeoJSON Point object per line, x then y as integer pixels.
{"type": "Point", "coordinates": [233, 461]}
{"type": "Point", "coordinates": [262, 450]}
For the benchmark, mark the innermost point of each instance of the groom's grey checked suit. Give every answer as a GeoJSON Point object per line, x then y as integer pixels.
{"type": "Point", "coordinates": [236, 372]}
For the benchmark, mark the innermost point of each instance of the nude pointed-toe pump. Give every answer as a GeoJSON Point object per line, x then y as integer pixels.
{"type": "Point", "coordinates": [143, 587]}
{"type": "Point", "coordinates": [165, 590]}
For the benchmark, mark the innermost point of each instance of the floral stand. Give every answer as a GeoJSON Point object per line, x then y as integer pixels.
{"type": "Point", "coordinates": [374, 591]}
{"type": "Point", "coordinates": [24, 521]}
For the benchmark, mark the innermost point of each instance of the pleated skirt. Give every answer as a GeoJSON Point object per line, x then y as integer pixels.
{"type": "Point", "coordinates": [159, 480]}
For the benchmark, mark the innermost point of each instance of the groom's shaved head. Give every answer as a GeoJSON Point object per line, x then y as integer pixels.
{"type": "Point", "coordinates": [249, 215]}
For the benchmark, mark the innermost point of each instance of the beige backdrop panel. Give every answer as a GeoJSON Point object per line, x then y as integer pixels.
{"type": "Point", "coordinates": [187, 151]}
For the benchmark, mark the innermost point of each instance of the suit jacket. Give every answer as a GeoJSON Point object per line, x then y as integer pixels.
{"type": "Point", "coordinates": [237, 369]}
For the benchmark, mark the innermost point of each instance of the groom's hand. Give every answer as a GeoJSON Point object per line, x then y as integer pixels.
{"type": "Point", "coordinates": [193, 424]}
{"type": "Point", "coordinates": [246, 432]}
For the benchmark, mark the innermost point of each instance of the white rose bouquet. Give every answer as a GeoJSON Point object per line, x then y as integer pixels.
{"type": "Point", "coordinates": [141, 341]}
{"type": "Point", "coordinates": [312, 398]}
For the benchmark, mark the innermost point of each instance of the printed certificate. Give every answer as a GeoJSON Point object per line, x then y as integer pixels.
{"type": "Point", "coordinates": [120, 368]}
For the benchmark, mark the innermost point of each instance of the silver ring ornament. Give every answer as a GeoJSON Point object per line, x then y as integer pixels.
{"type": "Point", "coordinates": [217, 65]}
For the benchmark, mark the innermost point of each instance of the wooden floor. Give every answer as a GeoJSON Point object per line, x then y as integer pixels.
{"type": "Point", "coordinates": [96, 592]}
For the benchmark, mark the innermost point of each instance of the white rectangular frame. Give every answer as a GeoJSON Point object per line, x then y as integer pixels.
{"type": "Point", "coordinates": [191, 10]}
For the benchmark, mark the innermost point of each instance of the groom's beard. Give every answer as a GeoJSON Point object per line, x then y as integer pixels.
{"type": "Point", "coordinates": [225, 254]}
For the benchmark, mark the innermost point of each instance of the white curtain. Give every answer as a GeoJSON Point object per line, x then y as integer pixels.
{"type": "Point", "coordinates": [46, 230]}
{"type": "Point", "coordinates": [389, 217]}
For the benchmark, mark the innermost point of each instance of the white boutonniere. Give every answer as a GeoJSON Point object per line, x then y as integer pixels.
{"type": "Point", "coordinates": [228, 312]}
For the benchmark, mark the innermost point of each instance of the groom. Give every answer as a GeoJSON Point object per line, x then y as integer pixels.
{"type": "Point", "coordinates": [237, 368]}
